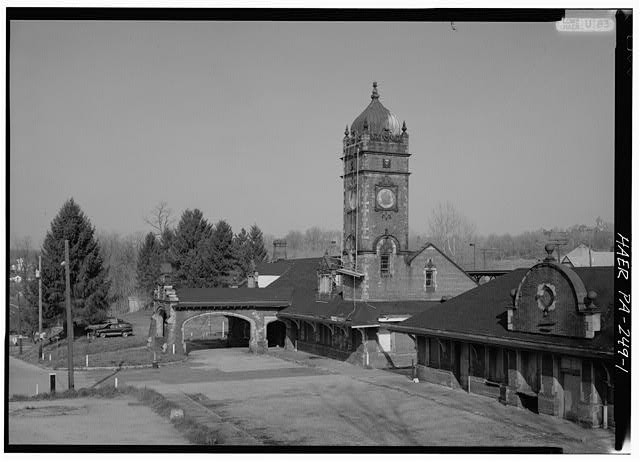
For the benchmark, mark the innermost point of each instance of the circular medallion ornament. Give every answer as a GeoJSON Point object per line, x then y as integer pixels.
{"type": "Point", "coordinates": [546, 298]}
{"type": "Point", "coordinates": [386, 198]}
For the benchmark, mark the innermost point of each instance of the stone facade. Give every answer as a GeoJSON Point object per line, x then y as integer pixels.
{"type": "Point", "coordinates": [257, 319]}
{"type": "Point", "coordinates": [551, 299]}
{"type": "Point", "coordinates": [407, 279]}
{"type": "Point", "coordinates": [567, 387]}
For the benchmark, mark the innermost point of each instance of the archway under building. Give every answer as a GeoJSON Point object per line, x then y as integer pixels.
{"type": "Point", "coordinates": [276, 334]}
{"type": "Point", "coordinates": [216, 330]}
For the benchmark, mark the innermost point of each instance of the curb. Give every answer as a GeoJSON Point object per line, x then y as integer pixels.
{"type": "Point", "coordinates": [112, 368]}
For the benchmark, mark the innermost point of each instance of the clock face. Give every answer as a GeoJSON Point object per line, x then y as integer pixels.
{"type": "Point", "coordinates": [352, 199]}
{"type": "Point", "coordinates": [386, 198]}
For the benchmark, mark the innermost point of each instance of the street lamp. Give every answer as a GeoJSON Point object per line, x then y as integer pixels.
{"type": "Point", "coordinates": [473, 244]}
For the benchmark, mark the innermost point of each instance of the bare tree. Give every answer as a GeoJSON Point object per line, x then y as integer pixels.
{"type": "Point", "coordinates": [450, 231]}
{"type": "Point", "coordinates": [160, 219]}
{"type": "Point", "coordinates": [120, 257]}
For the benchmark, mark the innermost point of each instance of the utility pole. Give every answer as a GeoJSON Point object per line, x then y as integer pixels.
{"type": "Point", "coordinates": [69, 320]}
{"type": "Point", "coordinates": [473, 244]}
{"type": "Point", "coordinates": [19, 324]}
{"type": "Point", "coordinates": [40, 339]}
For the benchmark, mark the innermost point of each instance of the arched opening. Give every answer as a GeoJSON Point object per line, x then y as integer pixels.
{"type": "Point", "coordinates": [276, 333]}
{"type": "Point", "coordinates": [215, 330]}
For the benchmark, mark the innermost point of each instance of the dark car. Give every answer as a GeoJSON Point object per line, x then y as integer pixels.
{"type": "Point", "coordinates": [110, 329]}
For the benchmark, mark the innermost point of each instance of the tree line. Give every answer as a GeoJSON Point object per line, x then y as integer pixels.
{"type": "Point", "coordinates": [200, 254]}
{"type": "Point", "coordinates": [106, 269]}
{"type": "Point", "coordinates": [453, 233]}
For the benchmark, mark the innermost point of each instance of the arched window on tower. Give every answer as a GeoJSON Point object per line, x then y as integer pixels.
{"type": "Point", "coordinates": [386, 251]}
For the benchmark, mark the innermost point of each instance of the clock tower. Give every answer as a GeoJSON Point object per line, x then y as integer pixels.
{"type": "Point", "coordinates": [376, 202]}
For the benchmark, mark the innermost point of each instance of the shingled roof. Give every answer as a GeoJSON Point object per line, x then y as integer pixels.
{"type": "Point", "coordinates": [480, 315]}
{"type": "Point", "coordinates": [301, 277]}
{"type": "Point", "coordinates": [242, 296]}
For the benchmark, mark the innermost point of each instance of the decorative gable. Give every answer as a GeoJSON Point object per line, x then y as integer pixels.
{"type": "Point", "coordinates": [552, 299]}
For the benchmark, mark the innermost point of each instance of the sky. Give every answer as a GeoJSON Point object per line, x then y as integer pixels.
{"type": "Point", "coordinates": [511, 123]}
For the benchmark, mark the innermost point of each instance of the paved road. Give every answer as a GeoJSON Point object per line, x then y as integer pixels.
{"type": "Point", "coordinates": [118, 421]}
{"type": "Point", "coordinates": [23, 378]}
{"type": "Point", "coordinates": [299, 399]}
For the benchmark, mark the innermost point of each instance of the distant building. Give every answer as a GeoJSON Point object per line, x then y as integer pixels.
{"type": "Point", "coordinates": [583, 256]}
{"type": "Point", "coordinates": [540, 338]}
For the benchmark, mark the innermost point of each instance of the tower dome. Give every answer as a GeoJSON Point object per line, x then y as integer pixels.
{"type": "Point", "coordinates": [377, 118]}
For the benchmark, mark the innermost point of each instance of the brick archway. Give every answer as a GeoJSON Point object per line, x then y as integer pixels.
{"type": "Point", "coordinates": [256, 318]}
{"type": "Point", "coordinates": [227, 314]}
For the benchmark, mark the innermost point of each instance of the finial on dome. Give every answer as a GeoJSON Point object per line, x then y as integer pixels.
{"type": "Point", "coordinates": [346, 131]}
{"type": "Point", "coordinates": [404, 126]}
{"type": "Point", "coordinates": [549, 249]}
{"type": "Point", "coordinates": [374, 93]}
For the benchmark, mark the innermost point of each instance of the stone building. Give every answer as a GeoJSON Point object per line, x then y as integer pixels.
{"type": "Point", "coordinates": [347, 304]}
{"type": "Point", "coordinates": [342, 306]}
{"type": "Point", "coordinates": [540, 338]}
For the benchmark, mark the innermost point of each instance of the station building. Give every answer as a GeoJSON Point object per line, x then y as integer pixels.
{"type": "Point", "coordinates": [540, 338]}
{"type": "Point", "coordinates": [342, 307]}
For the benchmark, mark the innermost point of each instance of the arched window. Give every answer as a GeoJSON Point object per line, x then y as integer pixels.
{"type": "Point", "coordinates": [386, 250]}
{"type": "Point", "coordinates": [429, 276]}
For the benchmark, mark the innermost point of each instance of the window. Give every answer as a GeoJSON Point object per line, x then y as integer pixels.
{"type": "Point", "coordinates": [495, 371]}
{"type": "Point", "coordinates": [422, 350]}
{"type": "Point", "coordinates": [386, 163]}
{"type": "Point", "coordinates": [585, 392]}
{"type": "Point", "coordinates": [434, 353]}
{"type": "Point", "coordinates": [547, 373]}
{"type": "Point", "coordinates": [307, 333]}
{"type": "Point", "coordinates": [385, 258]}
{"type": "Point", "coordinates": [384, 265]}
{"type": "Point", "coordinates": [429, 276]}
{"type": "Point", "coordinates": [477, 360]}
{"type": "Point", "coordinates": [445, 354]}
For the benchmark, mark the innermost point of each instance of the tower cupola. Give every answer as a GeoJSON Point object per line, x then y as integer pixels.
{"type": "Point", "coordinates": [376, 119]}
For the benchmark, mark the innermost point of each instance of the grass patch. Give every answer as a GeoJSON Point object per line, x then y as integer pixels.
{"type": "Point", "coordinates": [194, 432]}
{"type": "Point", "coordinates": [103, 352]}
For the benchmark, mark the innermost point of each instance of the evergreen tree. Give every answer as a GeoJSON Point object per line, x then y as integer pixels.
{"type": "Point", "coordinates": [89, 283]}
{"type": "Point", "coordinates": [242, 252]}
{"type": "Point", "coordinates": [191, 251]}
{"type": "Point", "coordinates": [224, 254]}
{"type": "Point", "coordinates": [258, 252]}
{"type": "Point", "coordinates": [166, 240]}
{"type": "Point", "coordinates": [148, 268]}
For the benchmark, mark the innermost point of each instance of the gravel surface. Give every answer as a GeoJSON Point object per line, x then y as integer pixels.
{"type": "Point", "coordinates": [307, 400]}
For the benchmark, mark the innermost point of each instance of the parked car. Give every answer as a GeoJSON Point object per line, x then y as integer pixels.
{"type": "Point", "coordinates": [110, 328]}
{"type": "Point", "coordinates": [50, 335]}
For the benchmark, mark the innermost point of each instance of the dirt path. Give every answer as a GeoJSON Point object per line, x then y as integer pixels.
{"type": "Point", "coordinates": [92, 421]}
